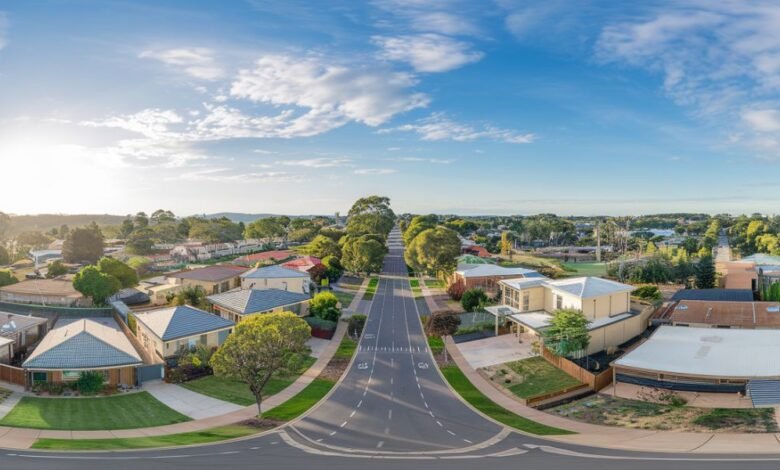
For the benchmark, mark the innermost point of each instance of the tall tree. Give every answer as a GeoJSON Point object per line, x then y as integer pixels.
{"type": "Point", "coordinates": [141, 220]}
{"type": "Point", "coordinates": [419, 224]}
{"type": "Point", "coordinates": [126, 275]}
{"type": "Point", "coordinates": [260, 347]}
{"type": "Point", "coordinates": [83, 245]}
{"type": "Point", "coordinates": [265, 229]}
{"type": "Point", "coordinates": [322, 247]}
{"type": "Point", "coordinates": [567, 334]}
{"type": "Point", "coordinates": [705, 273]}
{"type": "Point", "coordinates": [434, 251]}
{"type": "Point", "coordinates": [96, 285]}
{"type": "Point", "coordinates": [141, 241]}
{"type": "Point", "coordinates": [160, 216]}
{"type": "Point", "coordinates": [370, 215]}
{"type": "Point", "coordinates": [363, 255]}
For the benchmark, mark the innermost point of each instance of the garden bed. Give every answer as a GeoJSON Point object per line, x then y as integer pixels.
{"type": "Point", "coordinates": [530, 377]}
{"type": "Point", "coordinates": [613, 411]}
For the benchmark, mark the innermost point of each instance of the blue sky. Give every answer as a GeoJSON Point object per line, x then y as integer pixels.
{"type": "Point", "coordinates": [501, 107]}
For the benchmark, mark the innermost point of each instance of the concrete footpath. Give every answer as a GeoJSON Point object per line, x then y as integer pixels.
{"type": "Point", "coordinates": [614, 437]}
{"type": "Point", "coordinates": [19, 438]}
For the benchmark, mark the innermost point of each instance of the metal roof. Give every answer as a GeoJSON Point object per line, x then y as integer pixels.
{"type": "Point", "coordinates": [708, 352]}
{"type": "Point", "coordinates": [247, 301]}
{"type": "Point", "coordinates": [181, 322]}
{"type": "Point", "coordinates": [588, 287]}
{"type": "Point", "coordinates": [722, 295]}
{"type": "Point", "coordinates": [273, 272]}
{"type": "Point", "coordinates": [83, 344]}
{"type": "Point", "coordinates": [215, 273]}
{"type": "Point", "coordinates": [13, 323]}
{"type": "Point", "coordinates": [485, 270]}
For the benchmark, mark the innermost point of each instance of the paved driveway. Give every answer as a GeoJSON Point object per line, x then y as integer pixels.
{"type": "Point", "coordinates": [495, 350]}
{"type": "Point", "coordinates": [189, 403]}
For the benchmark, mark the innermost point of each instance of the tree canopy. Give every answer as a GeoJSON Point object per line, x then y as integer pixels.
{"type": "Point", "coordinates": [363, 255]}
{"type": "Point", "coordinates": [265, 229]}
{"type": "Point", "coordinates": [325, 305]}
{"type": "Point", "coordinates": [567, 334]}
{"type": "Point", "coordinates": [370, 215]}
{"type": "Point", "coordinates": [418, 224]}
{"type": "Point", "coordinates": [260, 347]}
{"type": "Point", "coordinates": [322, 247]}
{"type": "Point", "coordinates": [126, 275]}
{"type": "Point", "coordinates": [83, 245]}
{"type": "Point", "coordinates": [444, 323]}
{"type": "Point", "coordinates": [434, 251]}
{"type": "Point", "coordinates": [96, 285]}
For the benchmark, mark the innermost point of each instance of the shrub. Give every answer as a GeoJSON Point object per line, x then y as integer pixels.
{"type": "Point", "coordinates": [473, 300]}
{"type": "Point", "coordinates": [90, 383]}
{"type": "Point", "coordinates": [356, 324]}
{"type": "Point", "coordinates": [456, 290]}
{"type": "Point", "coordinates": [325, 306]}
{"type": "Point", "coordinates": [321, 328]}
{"type": "Point", "coordinates": [648, 292]}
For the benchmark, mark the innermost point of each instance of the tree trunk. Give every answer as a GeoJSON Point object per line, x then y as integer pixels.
{"type": "Point", "coordinates": [259, 400]}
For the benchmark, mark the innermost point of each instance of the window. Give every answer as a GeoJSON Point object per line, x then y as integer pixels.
{"type": "Point", "coordinates": [526, 301]}
{"type": "Point", "coordinates": [70, 375]}
{"type": "Point", "coordinates": [558, 302]}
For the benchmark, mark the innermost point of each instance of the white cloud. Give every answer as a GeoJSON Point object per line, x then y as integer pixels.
{"type": "Point", "coordinates": [374, 171]}
{"type": "Point", "coordinates": [436, 17]}
{"type": "Point", "coordinates": [228, 175]}
{"type": "Point", "coordinates": [154, 123]}
{"type": "Point", "coordinates": [317, 162]}
{"type": "Point", "coordinates": [198, 62]}
{"type": "Point", "coordinates": [438, 161]}
{"type": "Point", "coordinates": [331, 94]}
{"type": "Point", "coordinates": [440, 127]}
{"type": "Point", "coordinates": [427, 52]}
{"type": "Point", "coordinates": [762, 120]}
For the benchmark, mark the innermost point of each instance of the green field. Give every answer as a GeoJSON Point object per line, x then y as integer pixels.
{"type": "Point", "coordinates": [344, 297]}
{"type": "Point", "coordinates": [585, 269]}
{"type": "Point", "coordinates": [133, 410]}
{"type": "Point", "coordinates": [469, 392]}
{"type": "Point", "coordinates": [301, 402]}
{"type": "Point", "coordinates": [188, 438]}
{"type": "Point", "coordinates": [238, 392]}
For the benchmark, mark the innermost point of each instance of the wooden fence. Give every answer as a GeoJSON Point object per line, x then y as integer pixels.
{"type": "Point", "coordinates": [13, 375]}
{"type": "Point", "coordinates": [594, 381]}
{"type": "Point", "coordinates": [536, 400]}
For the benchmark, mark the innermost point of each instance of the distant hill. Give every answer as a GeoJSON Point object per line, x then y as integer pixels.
{"type": "Point", "coordinates": [46, 222]}
{"type": "Point", "coordinates": [247, 218]}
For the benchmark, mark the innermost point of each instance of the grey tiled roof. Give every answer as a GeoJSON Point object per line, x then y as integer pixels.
{"type": "Point", "coordinates": [273, 272]}
{"type": "Point", "coordinates": [82, 351]}
{"type": "Point", "coordinates": [255, 300]}
{"type": "Point", "coordinates": [722, 295]}
{"type": "Point", "coordinates": [183, 322]}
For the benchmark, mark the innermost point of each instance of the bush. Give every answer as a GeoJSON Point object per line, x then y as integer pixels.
{"type": "Point", "coordinates": [473, 300]}
{"type": "Point", "coordinates": [648, 292]}
{"type": "Point", "coordinates": [90, 383]}
{"type": "Point", "coordinates": [456, 290]}
{"type": "Point", "coordinates": [356, 324]}
{"type": "Point", "coordinates": [325, 306]}
{"type": "Point", "coordinates": [321, 328]}
{"type": "Point", "coordinates": [475, 328]}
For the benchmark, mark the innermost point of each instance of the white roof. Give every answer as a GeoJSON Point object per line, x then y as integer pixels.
{"type": "Point", "coordinates": [708, 352]}
{"type": "Point", "coordinates": [526, 282]}
{"type": "Point", "coordinates": [483, 270]}
{"type": "Point", "coordinates": [588, 287]}
{"type": "Point", "coordinates": [5, 341]}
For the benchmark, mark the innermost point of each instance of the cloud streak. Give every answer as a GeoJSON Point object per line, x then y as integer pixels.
{"type": "Point", "coordinates": [440, 127]}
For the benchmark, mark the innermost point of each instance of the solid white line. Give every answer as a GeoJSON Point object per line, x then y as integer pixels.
{"type": "Point", "coordinates": [466, 440]}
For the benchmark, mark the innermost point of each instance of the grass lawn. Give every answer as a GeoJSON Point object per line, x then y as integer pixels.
{"type": "Point", "coordinates": [469, 392]}
{"type": "Point", "coordinates": [530, 261]}
{"type": "Point", "coordinates": [301, 402]}
{"type": "Point", "coordinates": [134, 410]}
{"type": "Point", "coordinates": [346, 348]}
{"type": "Point", "coordinates": [416, 290]}
{"type": "Point", "coordinates": [344, 297]}
{"type": "Point", "coordinates": [531, 377]}
{"type": "Point", "coordinates": [434, 284]}
{"type": "Point", "coordinates": [371, 289]}
{"type": "Point", "coordinates": [436, 344]}
{"type": "Point", "coordinates": [238, 392]}
{"type": "Point", "coordinates": [188, 438]}
{"type": "Point", "coordinates": [585, 269]}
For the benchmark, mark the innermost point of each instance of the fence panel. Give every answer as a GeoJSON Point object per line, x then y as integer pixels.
{"type": "Point", "coordinates": [13, 375]}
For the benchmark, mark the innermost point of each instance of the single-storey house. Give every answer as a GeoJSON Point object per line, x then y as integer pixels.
{"type": "Point", "coordinates": [212, 279]}
{"type": "Point", "coordinates": [702, 359]}
{"type": "Point", "coordinates": [487, 276]}
{"type": "Point", "coordinates": [276, 277]}
{"type": "Point", "coordinates": [706, 314]}
{"type": "Point", "coordinates": [303, 264]}
{"type": "Point", "coordinates": [22, 331]}
{"type": "Point", "coordinates": [56, 292]}
{"type": "Point", "coordinates": [234, 305]}
{"type": "Point", "coordinates": [265, 257]}
{"type": "Point", "coordinates": [527, 305]}
{"type": "Point", "coordinates": [165, 332]}
{"type": "Point", "coordinates": [75, 346]}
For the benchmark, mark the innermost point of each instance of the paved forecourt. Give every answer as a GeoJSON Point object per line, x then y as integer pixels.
{"type": "Point", "coordinates": [393, 398]}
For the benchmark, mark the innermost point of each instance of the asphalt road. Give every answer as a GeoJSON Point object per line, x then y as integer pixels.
{"type": "Point", "coordinates": [392, 411]}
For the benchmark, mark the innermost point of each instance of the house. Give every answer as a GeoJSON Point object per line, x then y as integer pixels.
{"type": "Point", "coordinates": [487, 276]}
{"type": "Point", "coordinates": [476, 250]}
{"type": "Point", "coordinates": [756, 272]}
{"type": "Point", "coordinates": [265, 257]}
{"type": "Point", "coordinates": [701, 359]}
{"type": "Point", "coordinates": [305, 264]}
{"type": "Point", "coordinates": [276, 277]}
{"type": "Point", "coordinates": [212, 279]}
{"type": "Point", "coordinates": [234, 305]}
{"type": "Point", "coordinates": [89, 344]}
{"type": "Point", "coordinates": [528, 304]}
{"type": "Point", "coordinates": [714, 295]}
{"type": "Point", "coordinates": [21, 332]}
{"type": "Point", "coordinates": [55, 292]}
{"type": "Point", "coordinates": [722, 314]}
{"type": "Point", "coordinates": [167, 331]}
{"type": "Point", "coordinates": [41, 257]}
{"type": "Point", "coordinates": [192, 252]}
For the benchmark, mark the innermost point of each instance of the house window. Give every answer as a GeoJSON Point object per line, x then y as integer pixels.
{"type": "Point", "coordinates": [558, 302]}
{"type": "Point", "coordinates": [526, 301]}
{"type": "Point", "coordinates": [204, 339]}
{"type": "Point", "coordinates": [70, 375]}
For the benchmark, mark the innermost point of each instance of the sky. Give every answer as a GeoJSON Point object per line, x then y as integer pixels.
{"type": "Point", "coordinates": [447, 106]}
